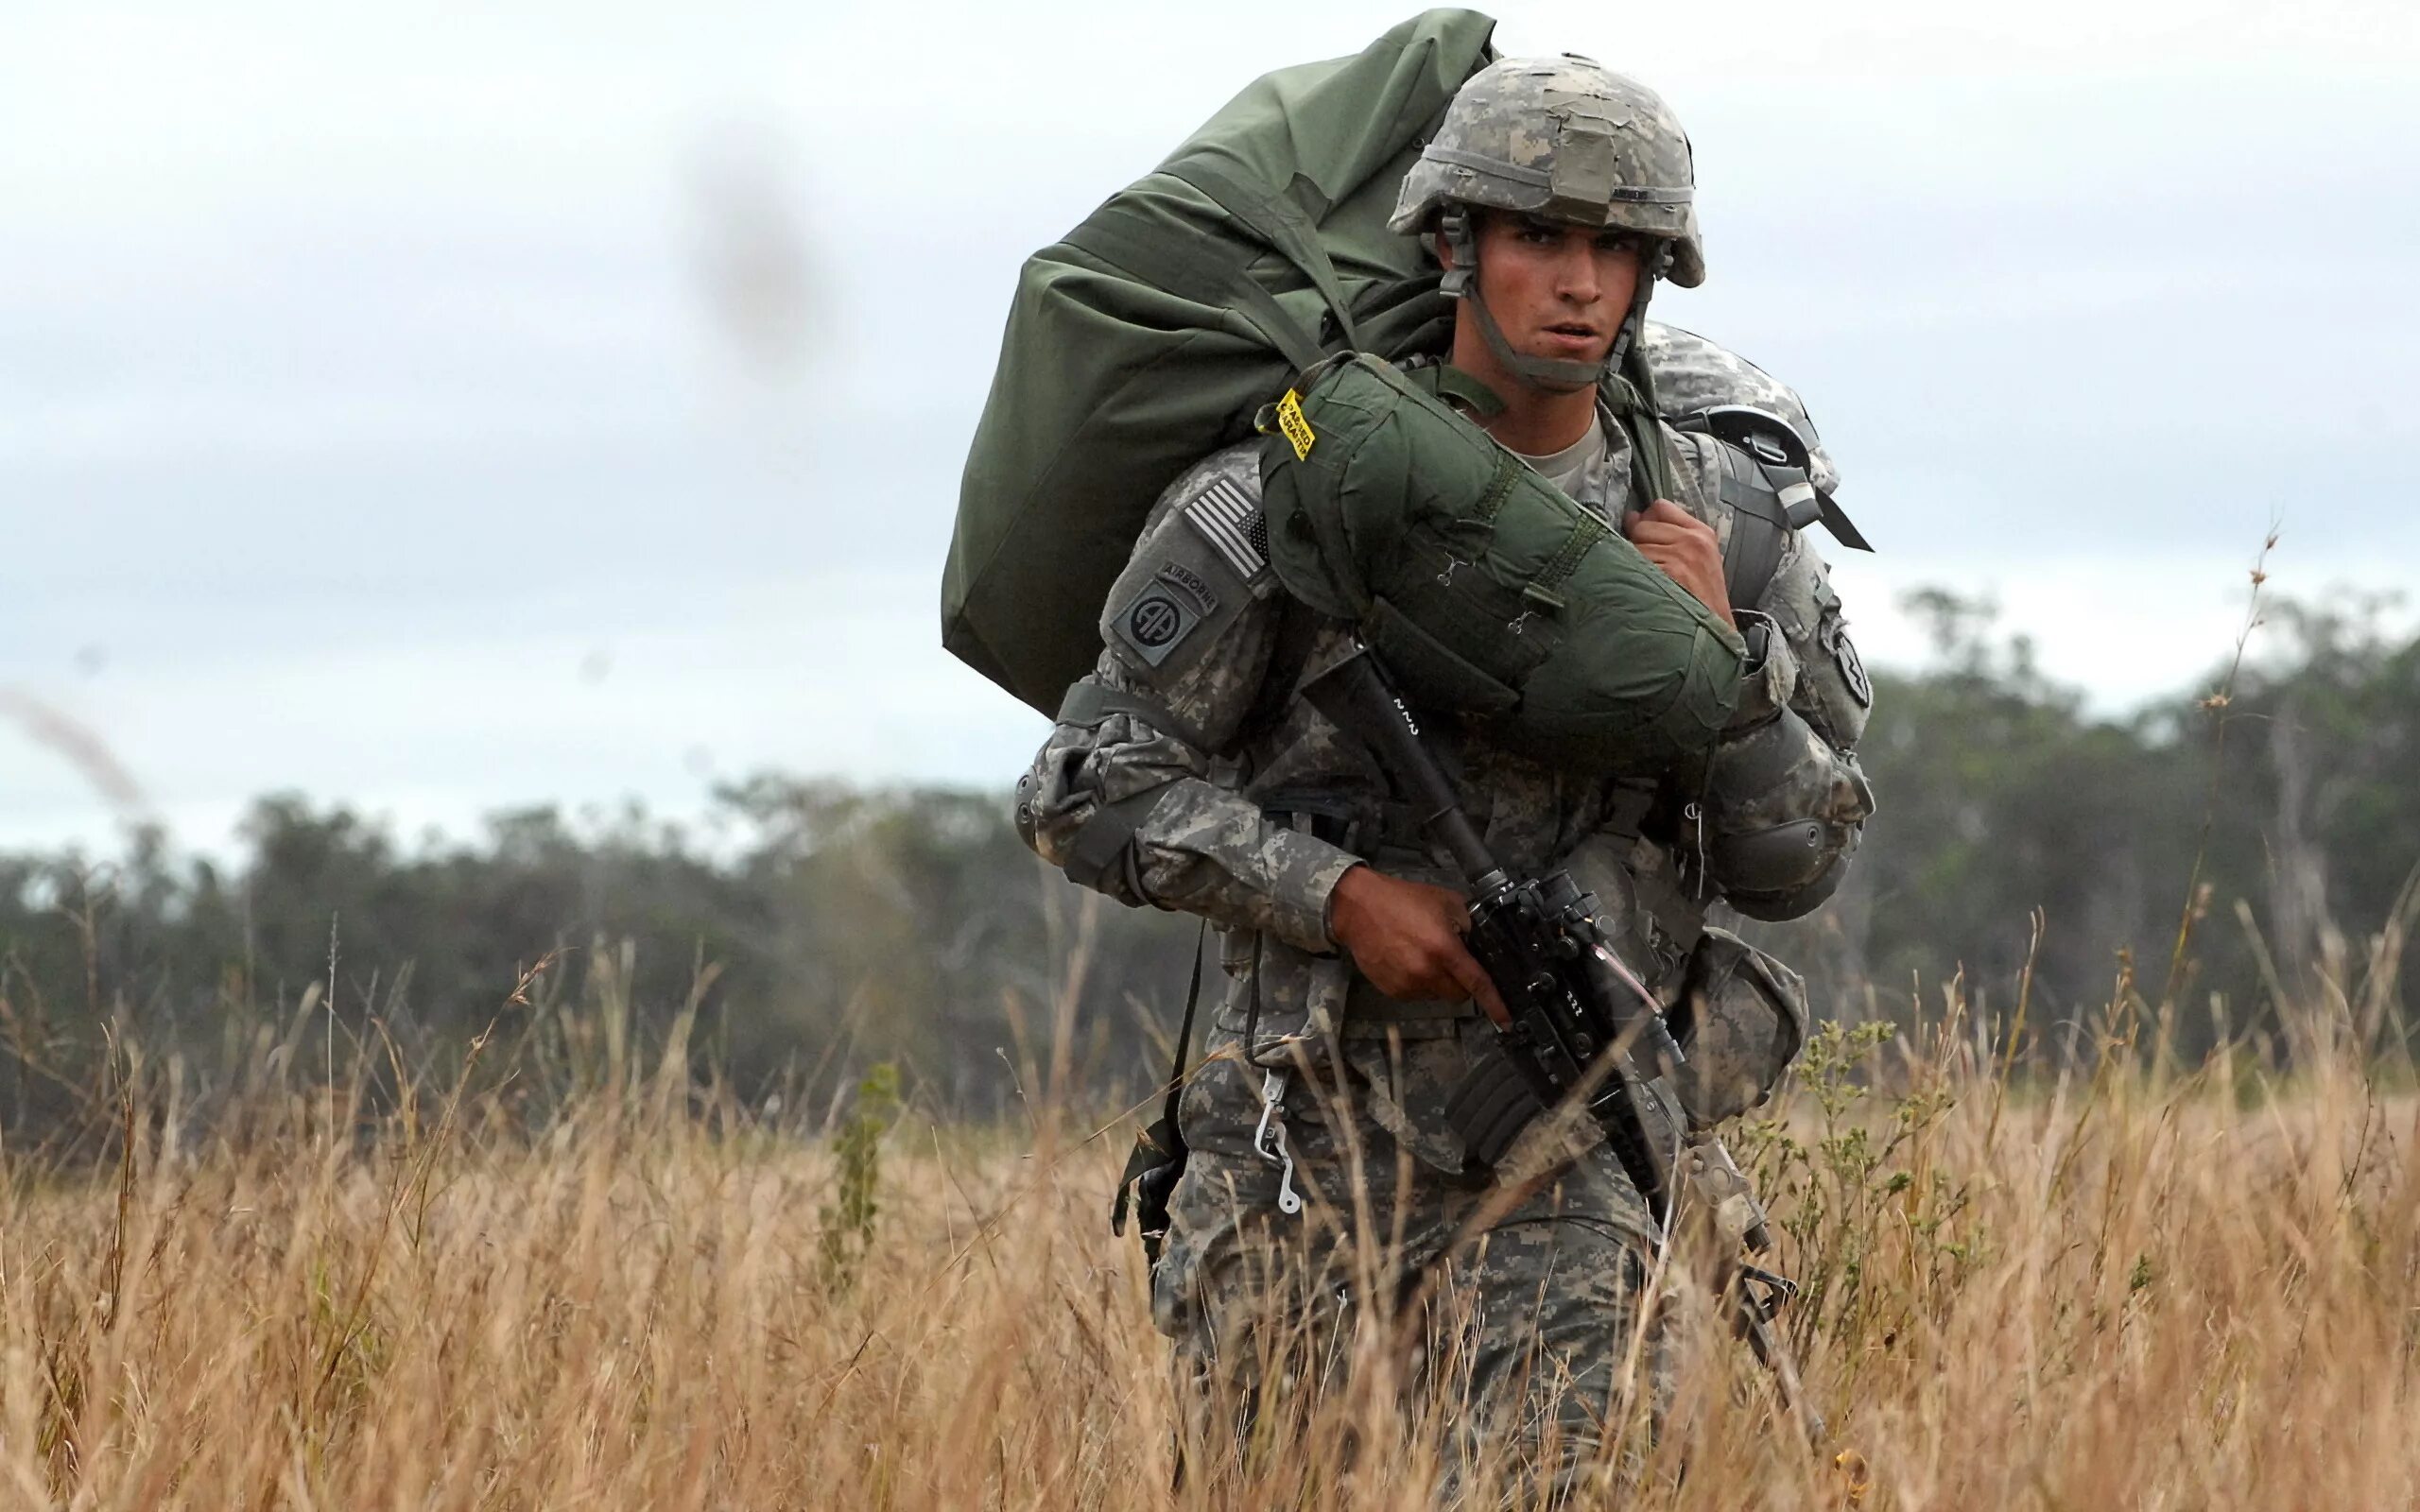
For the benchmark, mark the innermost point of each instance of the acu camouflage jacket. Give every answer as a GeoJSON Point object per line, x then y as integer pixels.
{"type": "Point", "coordinates": [1178, 774]}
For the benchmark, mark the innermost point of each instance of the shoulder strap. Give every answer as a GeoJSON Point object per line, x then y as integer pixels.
{"type": "Point", "coordinates": [1279, 223]}
{"type": "Point", "coordinates": [1205, 274]}
{"type": "Point", "coordinates": [1760, 527]}
{"type": "Point", "coordinates": [1630, 395]}
{"type": "Point", "coordinates": [1158, 1157]}
{"type": "Point", "coordinates": [1446, 381]}
{"type": "Point", "coordinates": [1190, 273]}
{"type": "Point", "coordinates": [1088, 703]}
{"type": "Point", "coordinates": [1298, 627]}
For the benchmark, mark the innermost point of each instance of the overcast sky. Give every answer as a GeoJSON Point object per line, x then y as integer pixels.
{"type": "Point", "coordinates": [448, 408]}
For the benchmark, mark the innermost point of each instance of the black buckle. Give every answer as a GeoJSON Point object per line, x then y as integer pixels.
{"type": "Point", "coordinates": [1149, 1180]}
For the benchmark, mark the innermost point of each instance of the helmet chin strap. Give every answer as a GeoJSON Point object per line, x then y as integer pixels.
{"type": "Point", "coordinates": [1556, 375]}
{"type": "Point", "coordinates": [1652, 270]}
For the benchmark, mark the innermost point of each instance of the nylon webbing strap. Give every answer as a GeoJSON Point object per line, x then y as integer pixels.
{"type": "Point", "coordinates": [1162, 1145]}
{"type": "Point", "coordinates": [1449, 381]}
{"type": "Point", "coordinates": [1587, 530]}
{"type": "Point", "coordinates": [1651, 466]}
{"type": "Point", "coordinates": [1298, 627]}
{"type": "Point", "coordinates": [1190, 274]}
{"type": "Point", "coordinates": [1185, 1032]}
{"type": "Point", "coordinates": [1543, 179]}
{"type": "Point", "coordinates": [1106, 841]}
{"type": "Point", "coordinates": [1651, 463]}
{"type": "Point", "coordinates": [1499, 488]}
{"type": "Point", "coordinates": [1088, 703]}
{"type": "Point", "coordinates": [1279, 222]}
{"type": "Point", "coordinates": [1759, 533]}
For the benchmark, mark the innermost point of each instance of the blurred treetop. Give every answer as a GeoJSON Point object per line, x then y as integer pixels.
{"type": "Point", "coordinates": [837, 926]}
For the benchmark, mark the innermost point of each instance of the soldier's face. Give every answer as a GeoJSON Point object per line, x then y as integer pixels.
{"type": "Point", "coordinates": [1555, 291]}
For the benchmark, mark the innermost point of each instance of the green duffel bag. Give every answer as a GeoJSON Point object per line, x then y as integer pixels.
{"type": "Point", "coordinates": [1149, 336]}
{"type": "Point", "coordinates": [1483, 588]}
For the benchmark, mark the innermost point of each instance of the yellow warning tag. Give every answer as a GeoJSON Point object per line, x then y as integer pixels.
{"type": "Point", "coordinates": [1297, 429]}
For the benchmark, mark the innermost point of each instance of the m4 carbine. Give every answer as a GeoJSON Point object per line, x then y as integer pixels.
{"type": "Point", "coordinates": [1580, 1029]}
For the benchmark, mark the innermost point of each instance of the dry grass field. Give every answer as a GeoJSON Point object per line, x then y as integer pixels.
{"type": "Point", "coordinates": [2111, 1291]}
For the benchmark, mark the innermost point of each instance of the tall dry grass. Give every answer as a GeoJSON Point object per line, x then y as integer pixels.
{"type": "Point", "coordinates": [2118, 1289]}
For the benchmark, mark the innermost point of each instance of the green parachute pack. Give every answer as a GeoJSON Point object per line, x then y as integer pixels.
{"type": "Point", "coordinates": [1152, 333]}
{"type": "Point", "coordinates": [1468, 574]}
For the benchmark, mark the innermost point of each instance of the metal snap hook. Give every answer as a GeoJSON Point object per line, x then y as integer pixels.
{"type": "Point", "coordinates": [1268, 1140]}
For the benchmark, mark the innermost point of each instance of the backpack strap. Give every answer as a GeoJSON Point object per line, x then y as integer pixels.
{"type": "Point", "coordinates": [1158, 1157]}
{"type": "Point", "coordinates": [1298, 627]}
{"type": "Point", "coordinates": [1193, 270]}
{"type": "Point", "coordinates": [1446, 381]}
{"type": "Point", "coordinates": [1630, 395]}
{"type": "Point", "coordinates": [1280, 224]}
{"type": "Point", "coordinates": [1190, 272]}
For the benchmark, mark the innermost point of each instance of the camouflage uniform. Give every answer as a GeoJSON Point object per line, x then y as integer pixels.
{"type": "Point", "coordinates": [1185, 773]}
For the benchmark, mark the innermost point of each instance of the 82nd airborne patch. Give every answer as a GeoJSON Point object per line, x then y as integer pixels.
{"type": "Point", "coordinates": [1171, 607]}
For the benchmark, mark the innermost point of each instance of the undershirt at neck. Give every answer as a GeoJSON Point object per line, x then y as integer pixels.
{"type": "Point", "coordinates": [1594, 470]}
{"type": "Point", "coordinates": [1569, 469]}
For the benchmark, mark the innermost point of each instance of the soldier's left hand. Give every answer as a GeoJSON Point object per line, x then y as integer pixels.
{"type": "Point", "coordinates": [1685, 546]}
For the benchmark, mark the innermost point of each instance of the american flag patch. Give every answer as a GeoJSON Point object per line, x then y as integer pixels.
{"type": "Point", "coordinates": [1229, 520]}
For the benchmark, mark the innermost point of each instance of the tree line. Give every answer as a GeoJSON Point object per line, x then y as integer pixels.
{"type": "Point", "coordinates": [2233, 860]}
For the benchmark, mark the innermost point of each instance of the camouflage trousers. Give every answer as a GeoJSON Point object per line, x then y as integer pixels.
{"type": "Point", "coordinates": [1505, 1318]}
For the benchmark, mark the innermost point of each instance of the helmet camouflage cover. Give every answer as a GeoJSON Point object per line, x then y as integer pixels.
{"type": "Point", "coordinates": [1566, 139]}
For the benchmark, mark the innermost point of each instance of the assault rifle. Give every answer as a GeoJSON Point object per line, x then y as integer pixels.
{"type": "Point", "coordinates": [1580, 1029]}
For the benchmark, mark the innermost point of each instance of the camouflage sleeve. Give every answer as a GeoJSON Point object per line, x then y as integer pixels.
{"type": "Point", "coordinates": [1831, 690]}
{"type": "Point", "coordinates": [1785, 799]}
{"type": "Point", "coordinates": [1135, 794]}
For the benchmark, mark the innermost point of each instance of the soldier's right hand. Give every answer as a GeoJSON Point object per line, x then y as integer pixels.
{"type": "Point", "coordinates": [1407, 937]}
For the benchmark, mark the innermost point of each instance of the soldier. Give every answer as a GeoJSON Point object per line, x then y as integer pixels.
{"type": "Point", "coordinates": [1187, 772]}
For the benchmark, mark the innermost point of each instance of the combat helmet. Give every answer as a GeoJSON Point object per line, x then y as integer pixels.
{"type": "Point", "coordinates": [1568, 140]}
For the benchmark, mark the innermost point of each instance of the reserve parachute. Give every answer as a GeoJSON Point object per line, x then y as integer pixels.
{"type": "Point", "coordinates": [1481, 586]}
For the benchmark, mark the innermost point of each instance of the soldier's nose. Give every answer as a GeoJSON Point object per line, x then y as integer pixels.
{"type": "Point", "coordinates": [1577, 279]}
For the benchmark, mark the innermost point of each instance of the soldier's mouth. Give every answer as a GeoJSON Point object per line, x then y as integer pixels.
{"type": "Point", "coordinates": [1574, 336]}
